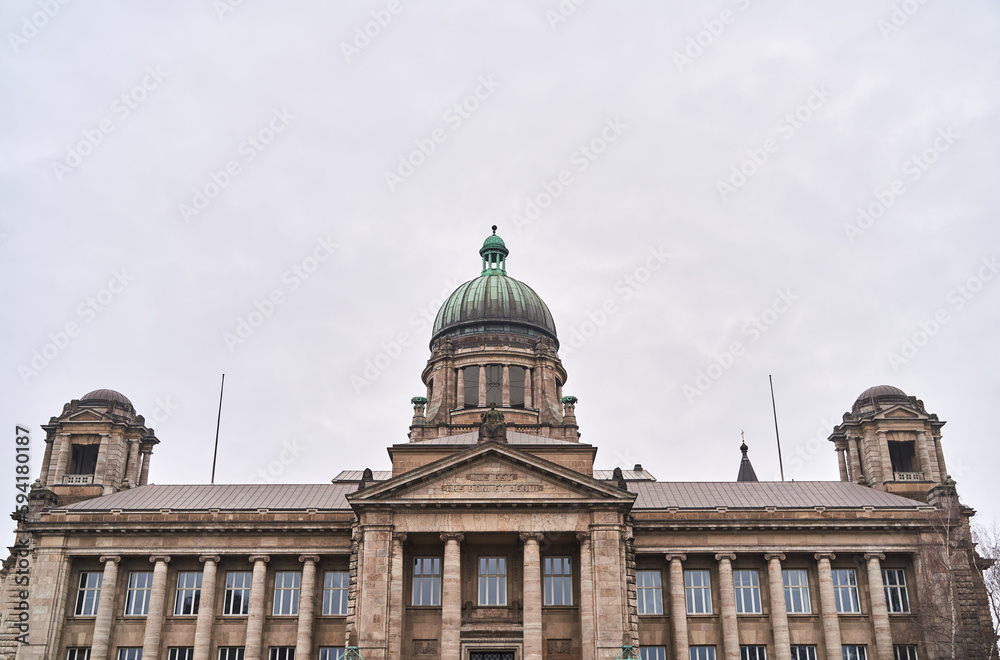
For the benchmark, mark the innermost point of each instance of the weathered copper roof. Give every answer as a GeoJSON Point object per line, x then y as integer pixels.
{"type": "Point", "coordinates": [762, 494]}
{"type": "Point", "coordinates": [494, 298]}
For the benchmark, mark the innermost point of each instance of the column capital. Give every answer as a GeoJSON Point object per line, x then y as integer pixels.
{"type": "Point", "coordinates": [583, 537]}
{"type": "Point", "coordinates": [400, 537]}
{"type": "Point", "coordinates": [874, 555]}
{"type": "Point", "coordinates": [725, 555]}
{"type": "Point", "coordinates": [675, 556]}
{"type": "Point", "coordinates": [106, 558]}
{"type": "Point", "coordinates": [305, 558]}
{"type": "Point", "coordinates": [824, 555]}
{"type": "Point", "coordinates": [531, 536]}
{"type": "Point", "coordinates": [768, 556]}
{"type": "Point", "coordinates": [212, 558]}
{"type": "Point", "coordinates": [452, 536]}
{"type": "Point", "coordinates": [256, 558]}
{"type": "Point", "coordinates": [164, 558]}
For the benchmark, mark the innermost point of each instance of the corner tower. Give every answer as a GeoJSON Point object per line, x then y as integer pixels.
{"type": "Point", "coordinates": [494, 342]}
{"type": "Point", "coordinates": [890, 442]}
{"type": "Point", "coordinates": [97, 446]}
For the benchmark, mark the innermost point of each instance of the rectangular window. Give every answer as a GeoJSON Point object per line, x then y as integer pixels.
{"type": "Point", "coordinates": [698, 591]}
{"type": "Point", "coordinates": [702, 652]}
{"type": "Point", "coordinates": [88, 595]}
{"type": "Point", "coordinates": [231, 653]}
{"type": "Point", "coordinates": [753, 653]}
{"type": "Point", "coordinates": [78, 653]}
{"type": "Point", "coordinates": [139, 586]}
{"type": "Point", "coordinates": [653, 653]}
{"type": "Point", "coordinates": [796, 592]}
{"type": "Point", "coordinates": [427, 581]}
{"type": "Point", "coordinates": [470, 377]}
{"type": "Point", "coordinates": [845, 590]}
{"type": "Point", "coordinates": [747, 585]}
{"type": "Point", "coordinates": [516, 386]}
{"type": "Point", "coordinates": [896, 599]}
{"type": "Point", "coordinates": [181, 653]}
{"type": "Point", "coordinates": [237, 600]}
{"type": "Point", "coordinates": [281, 653]}
{"type": "Point", "coordinates": [854, 652]}
{"type": "Point", "coordinates": [188, 592]}
{"type": "Point", "coordinates": [130, 653]}
{"type": "Point", "coordinates": [494, 384]}
{"type": "Point", "coordinates": [492, 581]}
{"type": "Point", "coordinates": [335, 586]}
{"type": "Point", "coordinates": [904, 652]}
{"type": "Point", "coordinates": [804, 653]}
{"type": "Point", "coordinates": [330, 653]}
{"type": "Point", "coordinates": [558, 572]}
{"type": "Point", "coordinates": [649, 591]}
{"type": "Point", "coordinates": [286, 593]}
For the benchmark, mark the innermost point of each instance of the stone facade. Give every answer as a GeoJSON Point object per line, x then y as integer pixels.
{"type": "Point", "coordinates": [493, 537]}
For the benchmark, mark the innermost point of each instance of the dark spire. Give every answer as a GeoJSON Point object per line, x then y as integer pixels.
{"type": "Point", "coordinates": [746, 469]}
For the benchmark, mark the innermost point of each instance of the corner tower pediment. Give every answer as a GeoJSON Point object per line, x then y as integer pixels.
{"type": "Point", "coordinates": [492, 474]}
{"type": "Point", "coordinates": [88, 416]}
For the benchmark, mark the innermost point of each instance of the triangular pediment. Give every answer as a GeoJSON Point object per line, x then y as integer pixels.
{"type": "Point", "coordinates": [87, 416]}
{"type": "Point", "coordinates": [492, 473]}
{"type": "Point", "coordinates": [900, 412]}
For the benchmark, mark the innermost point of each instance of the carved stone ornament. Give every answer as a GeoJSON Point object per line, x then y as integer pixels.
{"type": "Point", "coordinates": [559, 646]}
{"type": "Point", "coordinates": [493, 426]}
{"type": "Point", "coordinates": [425, 647]}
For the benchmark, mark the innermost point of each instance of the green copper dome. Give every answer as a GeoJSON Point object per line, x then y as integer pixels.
{"type": "Point", "coordinates": [494, 302]}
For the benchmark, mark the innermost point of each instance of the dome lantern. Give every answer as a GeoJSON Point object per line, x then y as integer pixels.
{"type": "Point", "coordinates": [494, 254]}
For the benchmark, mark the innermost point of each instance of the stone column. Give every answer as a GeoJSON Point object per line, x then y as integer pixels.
{"type": "Point", "coordinates": [460, 388]}
{"type": "Point", "coordinates": [144, 474]}
{"type": "Point", "coordinates": [255, 616]}
{"type": "Point", "coordinates": [157, 601]}
{"type": "Point", "coordinates": [678, 606]}
{"type": "Point", "coordinates": [62, 462]}
{"type": "Point", "coordinates": [307, 608]}
{"type": "Point", "coordinates": [101, 467]}
{"type": "Point", "coordinates": [854, 454]}
{"type": "Point", "coordinates": [942, 468]}
{"type": "Point", "coordinates": [842, 461]}
{"type": "Point", "coordinates": [105, 609]}
{"type": "Point", "coordinates": [779, 611]}
{"type": "Point", "coordinates": [132, 474]}
{"type": "Point", "coordinates": [923, 453]}
{"type": "Point", "coordinates": [888, 473]}
{"type": "Point", "coordinates": [451, 593]}
{"type": "Point", "coordinates": [396, 597]}
{"type": "Point", "coordinates": [482, 386]}
{"type": "Point", "coordinates": [727, 596]}
{"type": "Point", "coordinates": [527, 388]}
{"type": "Point", "coordinates": [587, 622]}
{"type": "Point", "coordinates": [880, 614]}
{"type": "Point", "coordinates": [828, 607]}
{"type": "Point", "coordinates": [532, 598]}
{"type": "Point", "coordinates": [505, 388]}
{"type": "Point", "coordinates": [206, 609]}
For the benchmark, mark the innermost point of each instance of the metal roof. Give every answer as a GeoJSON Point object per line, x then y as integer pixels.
{"type": "Point", "coordinates": [762, 494]}
{"type": "Point", "coordinates": [228, 497]}
{"type": "Point", "coordinates": [355, 475]}
{"type": "Point", "coordinates": [630, 475]}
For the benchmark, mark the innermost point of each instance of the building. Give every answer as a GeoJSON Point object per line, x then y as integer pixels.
{"type": "Point", "coordinates": [493, 536]}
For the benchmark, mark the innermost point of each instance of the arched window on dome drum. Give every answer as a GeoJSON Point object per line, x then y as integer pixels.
{"type": "Point", "coordinates": [470, 377]}
{"type": "Point", "coordinates": [516, 386]}
{"type": "Point", "coordinates": [494, 384]}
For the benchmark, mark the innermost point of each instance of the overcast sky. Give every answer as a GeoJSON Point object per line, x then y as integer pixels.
{"type": "Point", "coordinates": [703, 193]}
